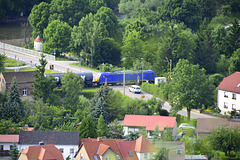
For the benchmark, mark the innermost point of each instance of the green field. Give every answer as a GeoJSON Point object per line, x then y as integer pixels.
{"type": "Point", "coordinates": [77, 64]}
{"type": "Point", "coordinates": [12, 63]}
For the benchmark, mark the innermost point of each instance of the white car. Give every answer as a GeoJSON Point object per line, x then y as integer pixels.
{"type": "Point", "coordinates": [134, 89]}
{"type": "Point", "coordinates": [185, 126]}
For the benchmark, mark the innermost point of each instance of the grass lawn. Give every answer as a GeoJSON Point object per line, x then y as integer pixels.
{"type": "Point", "coordinates": [77, 64]}
{"type": "Point", "coordinates": [28, 69]}
{"type": "Point", "coordinates": [89, 92]}
{"type": "Point", "coordinates": [12, 62]}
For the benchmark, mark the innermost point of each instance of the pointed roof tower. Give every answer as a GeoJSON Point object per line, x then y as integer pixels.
{"type": "Point", "coordinates": [38, 39]}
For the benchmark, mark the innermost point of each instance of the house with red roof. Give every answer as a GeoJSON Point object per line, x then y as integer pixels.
{"type": "Point", "coordinates": [6, 143]}
{"type": "Point", "coordinates": [229, 93]}
{"type": "Point", "coordinates": [45, 152]}
{"type": "Point", "coordinates": [113, 149]}
{"type": "Point", "coordinates": [134, 123]}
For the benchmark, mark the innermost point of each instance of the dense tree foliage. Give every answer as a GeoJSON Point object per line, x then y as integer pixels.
{"type": "Point", "coordinates": [13, 108]}
{"type": "Point", "coordinates": [87, 128]}
{"type": "Point", "coordinates": [189, 87]}
{"type": "Point", "coordinates": [14, 151]}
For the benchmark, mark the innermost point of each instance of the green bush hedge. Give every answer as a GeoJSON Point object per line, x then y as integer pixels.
{"type": "Point", "coordinates": [157, 91]}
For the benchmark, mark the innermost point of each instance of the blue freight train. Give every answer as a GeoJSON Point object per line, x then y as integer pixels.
{"type": "Point", "coordinates": [130, 77]}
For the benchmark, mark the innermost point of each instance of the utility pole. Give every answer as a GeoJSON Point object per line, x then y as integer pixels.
{"type": "Point", "coordinates": [123, 80]}
{"type": "Point", "coordinates": [142, 68]}
{"type": "Point", "coordinates": [80, 61]}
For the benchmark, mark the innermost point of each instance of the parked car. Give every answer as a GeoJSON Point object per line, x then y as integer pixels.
{"type": "Point", "coordinates": [185, 126]}
{"type": "Point", "coordinates": [134, 89]}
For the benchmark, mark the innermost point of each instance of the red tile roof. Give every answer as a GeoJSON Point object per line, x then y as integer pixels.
{"type": "Point", "coordinates": [102, 149]}
{"type": "Point", "coordinates": [9, 138]}
{"type": "Point", "coordinates": [231, 83]}
{"type": "Point", "coordinates": [143, 145]}
{"type": "Point", "coordinates": [126, 147]}
{"type": "Point", "coordinates": [38, 39]}
{"type": "Point", "coordinates": [45, 152]}
{"type": "Point", "coordinates": [149, 122]}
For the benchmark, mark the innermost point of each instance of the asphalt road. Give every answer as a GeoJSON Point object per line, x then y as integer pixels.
{"type": "Point", "coordinates": [64, 66]}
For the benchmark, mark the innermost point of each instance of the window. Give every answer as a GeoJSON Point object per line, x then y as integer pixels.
{"type": "Point", "coordinates": [61, 149]}
{"type": "Point", "coordinates": [233, 106]}
{"type": "Point", "coordinates": [118, 158]}
{"type": "Point", "coordinates": [151, 155]}
{"type": "Point", "coordinates": [25, 92]}
{"type": "Point", "coordinates": [1, 147]}
{"type": "Point", "coordinates": [95, 157]}
{"type": "Point", "coordinates": [225, 94]}
{"type": "Point", "coordinates": [11, 147]}
{"type": "Point", "coordinates": [81, 157]}
{"type": "Point", "coordinates": [145, 156]}
{"type": "Point", "coordinates": [130, 154]}
{"type": "Point", "coordinates": [179, 151]}
{"type": "Point", "coordinates": [234, 96]}
{"type": "Point", "coordinates": [226, 105]}
{"type": "Point", "coordinates": [71, 151]}
{"type": "Point", "coordinates": [133, 129]}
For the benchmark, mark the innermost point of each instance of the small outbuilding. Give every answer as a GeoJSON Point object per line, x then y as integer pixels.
{"type": "Point", "coordinates": [38, 44]}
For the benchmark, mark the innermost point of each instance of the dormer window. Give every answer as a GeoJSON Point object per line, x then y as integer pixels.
{"type": "Point", "coordinates": [225, 95]}
{"type": "Point", "coordinates": [233, 106]}
{"type": "Point", "coordinates": [130, 154]}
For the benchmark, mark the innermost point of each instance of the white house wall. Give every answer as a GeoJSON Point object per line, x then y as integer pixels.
{"type": "Point", "coordinates": [228, 100]}
{"type": "Point", "coordinates": [6, 146]}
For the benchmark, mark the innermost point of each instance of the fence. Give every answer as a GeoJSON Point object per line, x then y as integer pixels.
{"type": "Point", "coordinates": [26, 51]}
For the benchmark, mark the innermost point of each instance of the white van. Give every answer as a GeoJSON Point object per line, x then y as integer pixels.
{"type": "Point", "coordinates": [134, 89]}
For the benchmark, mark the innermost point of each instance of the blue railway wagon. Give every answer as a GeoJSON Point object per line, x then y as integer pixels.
{"type": "Point", "coordinates": [130, 76]}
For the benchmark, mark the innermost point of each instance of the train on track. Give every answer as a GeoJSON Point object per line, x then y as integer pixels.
{"type": "Point", "coordinates": [112, 77]}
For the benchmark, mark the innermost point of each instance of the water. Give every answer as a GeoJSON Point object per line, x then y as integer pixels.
{"type": "Point", "coordinates": [11, 30]}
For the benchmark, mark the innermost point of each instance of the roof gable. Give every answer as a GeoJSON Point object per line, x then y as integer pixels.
{"type": "Point", "coordinates": [46, 152]}
{"type": "Point", "coordinates": [231, 83]}
{"type": "Point", "coordinates": [49, 137]}
{"type": "Point", "coordinates": [143, 145]}
{"type": "Point", "coordinates": [102, 149]}
{"type": "Point", "coordinates": [20, 76]}
{"type": "Point", "coordinates": [149, 122]}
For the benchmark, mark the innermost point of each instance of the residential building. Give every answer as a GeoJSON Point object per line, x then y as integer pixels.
{"type": "Point", "coordinates": [206, 125]}
{"type": "Point", "coordinates": [229, 93]}
{"type": "Point", "coordinates": [173, 150]}
{"type": "Point", "coordinates": [24, 81]}
{"type": "Point", "coordinates": [67, 142]}
{"type": "Point", "coordinates": [45, 152]}
{"type": "Point", "coordinates": [6, 143]}
{"type": "Point", "coordinates": [113, 149]}
{"type": "Point", "coordinates": [134, 123]}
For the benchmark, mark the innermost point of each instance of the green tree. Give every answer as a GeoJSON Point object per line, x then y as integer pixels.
{"type": "Point", "coordinates": [156, 135]}
{"type": "Point", "coordinates": [208, 8]}
{"type": "Point", "coordinates": [159, 155]}
{"type": "Point", "coordinates": [225, 139]}
{"type": "Point", "coordinates": [13, 108]}
{"type": "Point", "coordinates": [38, 18]}
{"type": "Point", "coordinates": [167, 135]}
{"type": "Point", "coordinates": [132, 48]}
{"type": "Point", "coordinates": [102, 129]}
{"type": "Point", "coordinates": [2, 63]}
{"type": "Point", "coordinates": [57, 36]}
{"type": "Point", "coordinates": [8, 127]}
{"type": "Point", "coordinates": [115, 130]}
{"type": "Point", "coordinates": [41, 87]}
{"type": "Point", "coordinates": [189, 87]}
{"type": "Point", "coordinates": [72, 87]}
{"type": "Point", "coordinates": [233, 40]}
{"type": "Point", "coordinates": [14, 151]}
{"type": "Point", "coordinates": [87, 128]}
{"type": "Point", "coordinates": [234, 62]}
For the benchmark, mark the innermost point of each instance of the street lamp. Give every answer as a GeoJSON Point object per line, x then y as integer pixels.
{"type": "Point", "coordinates": [142, 68]}
{"type": "Point", "coordinates": [80, 61]}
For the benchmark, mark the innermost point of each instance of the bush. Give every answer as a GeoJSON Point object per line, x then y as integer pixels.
{"type": "Point", "coordinates": [157, 91]}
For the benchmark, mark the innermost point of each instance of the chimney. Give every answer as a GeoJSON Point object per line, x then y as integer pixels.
{"type": "Point", "coordinates": [154, 114]}
{"type": "Point", "coordinates": [55, 129]}
{"type": "Point", "coordinates": [99, 139]}
{"type": "Point", "coordinates": [41, 143]}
